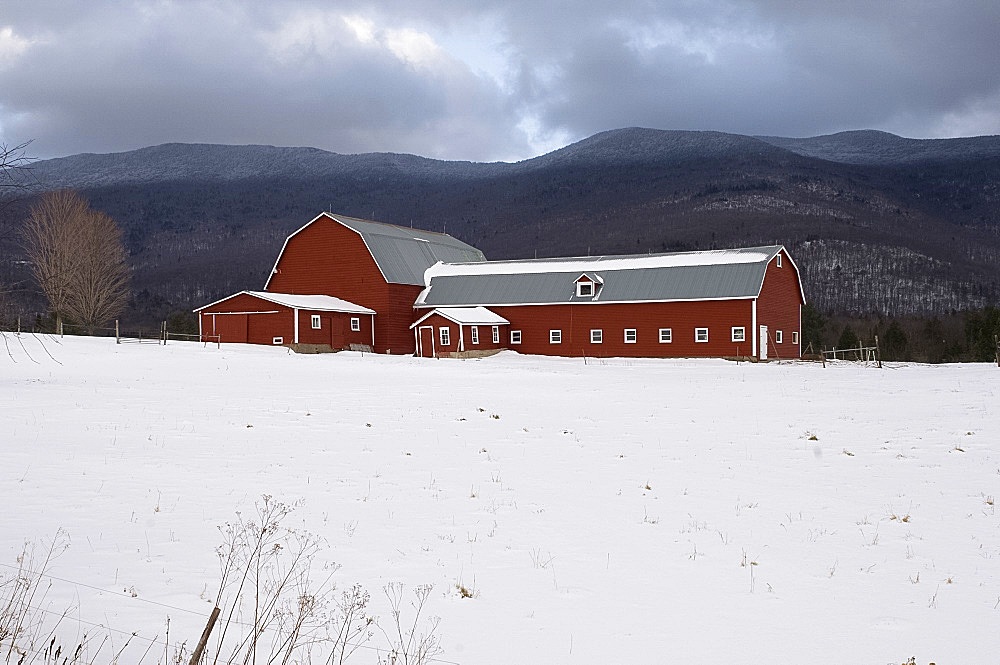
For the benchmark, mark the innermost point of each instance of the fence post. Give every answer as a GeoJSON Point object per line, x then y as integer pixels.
{"type": "Point", "coordinates": [19, 326]}
{"type": "Point", "coordinates": [878, 354]}
{"type": "Point", "coordinates": [996, 341]}
{"type": "Point", "coordinates": [163, 332]}
{"type": "Point", "coordinates": [60, 328]}
{"type": "Point", "coordinates": [198, 650]}
{"type": "Point", "coordinates": [118, 337]}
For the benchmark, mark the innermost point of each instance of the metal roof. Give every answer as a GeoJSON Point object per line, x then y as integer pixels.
{"type": "Point", "coordinates": [658, 277]}
{"type": "Point", "coordinates": [471, 316]}
{"type": "Point", "coordinates": [316, 303]}
{"type": "Point", "coordinates": [403, 254]}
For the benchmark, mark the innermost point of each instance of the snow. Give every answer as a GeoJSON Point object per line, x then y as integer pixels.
{"type": "Point", "coordinates": [589, 264]}
{"type": "Point", "coordinates": [317, 303]}
{"type": "Point", "coordinates": [601, 512]}
{"type": "Point", "coordinates": [466, 315]}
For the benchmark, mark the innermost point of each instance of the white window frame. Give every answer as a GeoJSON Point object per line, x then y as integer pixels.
{"type": "Point", "coordinates": [277, 340]}
{"type": "Point", "coordinates": [355, 323]}
{"type": "Point", "coordinates": [778, 261]}
{"type": "Point", "coordinates": [444, 334]}
{"type": "Point", "coordinates": [579, 289]}
{"type": "Point", "coordinates": [515, 336]}
{"type": "Point", "coordinates": [555, 336]}
{"type": "Point", "coordinates": [597, 336]}
{"type": "Point", "coordinates": [777, 337]}
{"type": "Point", "coordinates": [496, 334]}
{"type": "Point", "coordinates": [700, 341]}
{"type": "Point", "coordinates": [475, 334]}
{"type": "Point", "coordinates": [795, 337]}
{"type": "Point", "coordinates": [666, 335]}
{"type": "Point", "coordinates": [316, 322]}
{"type": "Point", "coordinates": [741, 331]}
{"type": "Point", "coordinates": [635, 335]}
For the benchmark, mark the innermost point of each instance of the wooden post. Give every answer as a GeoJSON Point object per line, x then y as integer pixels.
{"type": "Point", "coordinates": [200, 649]}
{"type": "Point", "coordinates": [878, 354]}
{"type": "Point", "coordinates": [996, 341]}
{"type": "Point", "coordinates": [163, 332]}
{"type": "Point", "coordinates": [19, 326]}
{"type": "Point", "coordinates": [118, 337]}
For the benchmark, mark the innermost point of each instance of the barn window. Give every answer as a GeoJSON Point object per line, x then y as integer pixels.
{"type": "Point", "coordinates": [316, 322]}
{"type": "Point", "coordinates": [777, 337]}
{"type": "Point", "coordinates": [555, 337]}
{"type": "Point", "coordinates": [701, 334]}
{"type": "Point", "coordinates": [666, 336]}
{"type": "Point", "coordinates": [496, 334]}
{"type": "Point", "coordinates": [355, 323]}
{"type": "Point", "coordinates": [631, 335]}
{"type": "Point", "coordinates": [475, 334]}
{"type": "Point", "coordinates": [739, 334]}
{"type": "Point", "coordinates": [584, 289]}
{"type": "Point", "coordinates": [795, 337]}
{"type": "Point", "coordinates": [515, 336]}
{"type": "Point", "coordinates": [597, 336]}
{"type": "Point", "coordinates": [778, 261]}
{"type": "Point", "coordinates": [445, 336]}
{"type": "Point", "coordinates": [278, 340]}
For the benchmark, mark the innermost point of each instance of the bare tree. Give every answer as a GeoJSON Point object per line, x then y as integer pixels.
{"type": "Point", "coordinates": [14, 169]}
{"type": "Point", "coordinates": [77, 258]}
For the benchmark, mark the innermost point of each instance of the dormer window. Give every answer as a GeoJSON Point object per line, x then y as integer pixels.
{"type": "Point", "coordinates": [584, 289]}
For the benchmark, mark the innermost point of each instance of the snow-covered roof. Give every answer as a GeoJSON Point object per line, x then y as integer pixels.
{"type": "Point", "coordinates": [466, 316]}
{"type": "Point", "coordinates": [316, 303]}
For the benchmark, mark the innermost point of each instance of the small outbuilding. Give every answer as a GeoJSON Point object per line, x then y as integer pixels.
{"type": "Point", "coordinates": [460, 332]}
{"type": "Point", "coordinates": [261, 317]}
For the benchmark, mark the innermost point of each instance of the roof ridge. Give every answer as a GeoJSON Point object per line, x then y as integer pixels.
{"type": "Point", "coordinates": [338, 217]}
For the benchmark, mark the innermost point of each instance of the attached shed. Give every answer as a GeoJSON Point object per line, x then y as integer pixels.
{"type": "Point", "coordinates": [459, 331]}
{"type": "Point", "coordinates": [262, 317]}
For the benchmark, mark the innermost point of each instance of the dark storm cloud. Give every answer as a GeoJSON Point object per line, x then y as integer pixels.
{"type": "Point", "coordinates": [467, 80]}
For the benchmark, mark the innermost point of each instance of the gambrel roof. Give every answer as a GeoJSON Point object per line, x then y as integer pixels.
{"type": "Point", "coordinates": [706, 275]}
{"type": "Point", "coordinates": [402, 254]}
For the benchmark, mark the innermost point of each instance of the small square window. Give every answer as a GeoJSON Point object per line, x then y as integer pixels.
{"type": "Point", "coordinates": [555, 337]}
{"type": "Point", "coordinates": [355, 323]}
{"type": "Point", "coordinates": [666, 335]}
{"type": "Point", "coordinates": [795, 337]}
{"type": "Point", "coordinates": [584, 289]}
{"type": "Point", "coordinates": [278, 340]}
{"type": "Point", "coordinates": [515, 336]}
{"type": "Point", "coordinates": [701, 335]}
{"type": "Point", "coordinates": [739, 334]}
{"type": "Point", "coordinates": [445, 336]}
{"type": "Point", "coordinates": [316, 324]}
{"type": "Point", "coordinates": [597, 336]}
{"type": "Point", "coordinates": [777, 337]}
{"type": "Point", "coordinates": [475, 334]}
{"type": "Point", "coordinates": [496, 334]}
{"type": "Point", "coordinates": [631, 335]}
{"type": "Point", "coordinates": [778, 260]}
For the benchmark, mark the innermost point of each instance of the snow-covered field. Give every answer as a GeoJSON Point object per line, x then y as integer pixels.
{"type": "Point", "coordinates": [619, 512]}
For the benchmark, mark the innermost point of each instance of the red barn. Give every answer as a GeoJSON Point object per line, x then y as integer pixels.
{"type": "Point", "coordinates": [258, 317]}
{"type": "Point", "coordinates": [459, 332]}
{"type": "Point", "coordinates": [379, 266]}
{"type": "Point", "coordinates": [720, 303]}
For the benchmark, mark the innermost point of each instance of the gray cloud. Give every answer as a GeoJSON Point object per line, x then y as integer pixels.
{"type": "Point", "coordinates": [462, 80]}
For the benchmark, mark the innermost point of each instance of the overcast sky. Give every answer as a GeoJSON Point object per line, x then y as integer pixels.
{"type": "Point", "coordinates": [459, 79]}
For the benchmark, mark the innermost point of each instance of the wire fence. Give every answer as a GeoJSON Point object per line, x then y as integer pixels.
{"type": "Point", "coordinates": [123, 335]}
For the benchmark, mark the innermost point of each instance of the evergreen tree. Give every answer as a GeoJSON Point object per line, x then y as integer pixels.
{"type": "Point", "coordinates": [895, 343]}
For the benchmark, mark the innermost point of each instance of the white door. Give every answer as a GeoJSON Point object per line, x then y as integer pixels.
{"type": "Point", "coordinates": [763, 342]}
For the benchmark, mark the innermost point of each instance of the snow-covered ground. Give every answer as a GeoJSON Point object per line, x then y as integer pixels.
{"type": "Point", "coordinates": [612, 512]}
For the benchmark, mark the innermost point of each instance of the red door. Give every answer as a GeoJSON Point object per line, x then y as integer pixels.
{"type": "Point", "coordinates": [425, 347]}
{"type": "Point", "coordinates": [337, 333]}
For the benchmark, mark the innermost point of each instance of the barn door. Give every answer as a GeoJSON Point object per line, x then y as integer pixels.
{"type": "Point", "coordinates": [337, 333]}
{"type": "Point", "coordinates": [425, 342]}
{"type": "Point", "coordinates": [763, 342]}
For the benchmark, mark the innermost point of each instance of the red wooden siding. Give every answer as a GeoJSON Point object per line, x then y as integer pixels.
{"type": "Point", "coordinates": [485, 338]}
{"type": "Point", "coordinates": [327, 258]}
{"type": "Point", "coordinates": [577, 320]}
{"type": "Point", "coordinates": [778, 308]}
{"type": "Point", "coordinates": [335, 329]}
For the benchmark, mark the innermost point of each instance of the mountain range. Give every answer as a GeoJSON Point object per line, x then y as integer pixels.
{"type": "Point", "coordinates": [876, 222]}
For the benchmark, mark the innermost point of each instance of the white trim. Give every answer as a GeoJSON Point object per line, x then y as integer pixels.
{"type": "Point", "coordinates": [275, 298]}
{"type": "Point", "coordinates": [600, 336]}
{"type": "Point", "coordinates": [778, 337]}
{"type": "Point", "coordinates": [795, 337]}
{"type": "Point", "coordinates": [356, 320]}
{"type": "Point", "coordinates": [316, 322]}
{"type": "Point", "coordinates": [496, 334]}
{"type": "Point", "coordinates": [499, 321]}
{"type": "Point", "coordinates": [670, 335]}
{"type": "Point", "coordinates": [753, 328]}
{"type": "Point", "coordinates": [582, 283]}
{"type": "Point", "coordinates": [798, 274]}
{"type": "Point", "coordinates": [700, 341]}
{"type": "Point", "coordinates": [272, 311]}
{"type": "Point", "coordinates": [295, 313]}
{"type": "Point", "coordinates": [554, 334]}
{"type": "Point", "coordinates": [420, 341]}
{"type": "Point", "coordinates": [277, 340]}
{"type": "Point", "coordinates": [423, 305]}
{"type": "Point", "coordinates": [777, 260]}
{"type": "Point", "coordinates": [445, 333]}
{"type": "Point", "coordinates": [461, 338]}
{"type": "Point", "coordinates": [743, 333]}
{"type": "Point", "coordinates": [474, 334]}
{"type": "Point", "coordinates": [200, 335]}
{"type": "Point", "coordinates": [515, 332]}
{"type": "Point", "coordinates": [635, 336]}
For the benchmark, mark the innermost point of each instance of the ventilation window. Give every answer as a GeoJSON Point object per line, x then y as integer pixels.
{"type": "Point", "coordinates": [666, 336]}
{"type": "Point", "coordinates": [739, 334]}
{"type": "Point", "coordinates": [316, 324]}
{"type": "Point", "coordinates": [631, 335]}
{"type": "Point", "coordinates": [278, 340]}
{"type": "Point", "coordinates": [584, 289]}
{"type": "Point", "coordinates": [596, 336]}
{"type": "Point", "coordinates": [701, 335]}
{"type": "Point", "coordinates": [555, 337]}
{"type": "Point", "coordinates": [515, 336]}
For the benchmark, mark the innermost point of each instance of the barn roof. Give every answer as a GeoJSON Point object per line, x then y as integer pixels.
{"type": "Point", "coordinates": [315, 303]}
{"type": "Point", "coordinates": [401, 253]}
{"type": "Point", "coordinates": [466, 316]}
{"type": "Point", "coordinates": [706, 275]}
